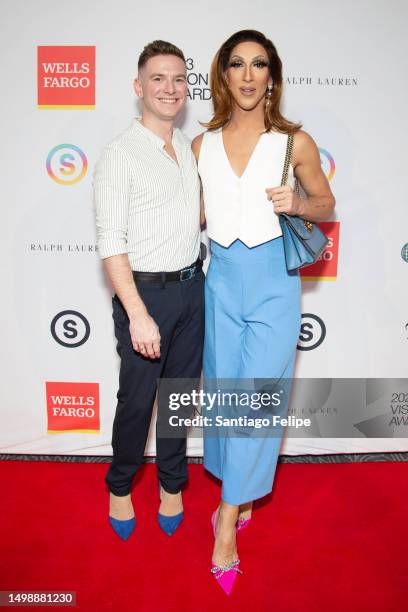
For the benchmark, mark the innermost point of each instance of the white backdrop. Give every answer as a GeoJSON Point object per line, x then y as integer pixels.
{"type": "Point", "coordinates": [345, 65]}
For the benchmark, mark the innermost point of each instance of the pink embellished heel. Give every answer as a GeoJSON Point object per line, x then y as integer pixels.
{"type": "Point", "coordinates": [225, 575]}
{"type": "Point", "coordinates": [243, 523]}
{"type": "Point", "coordinates": [240, 525]}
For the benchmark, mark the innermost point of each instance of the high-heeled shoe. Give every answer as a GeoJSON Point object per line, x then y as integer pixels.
{"type": "Point", "coordinates": [243, 523]}
{"type": "Point", "coordinates": [240, 524]}
{"type": "Point", "coordinates": [169, 524]}
{"type": "Point", "coordinates": [226, 574]}
{"type": "Point", "coordinates": [123, 528]}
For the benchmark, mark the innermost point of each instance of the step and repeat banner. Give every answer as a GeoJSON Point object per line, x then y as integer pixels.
{"type": "Point", "coordinates": [67, 90]}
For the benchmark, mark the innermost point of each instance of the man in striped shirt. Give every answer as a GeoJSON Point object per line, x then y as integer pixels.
{"type": "Point", "coordinates": [147, 201]}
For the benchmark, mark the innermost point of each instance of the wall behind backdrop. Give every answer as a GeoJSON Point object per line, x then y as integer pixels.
{"type": "Point", "coordinates": [67, 75]}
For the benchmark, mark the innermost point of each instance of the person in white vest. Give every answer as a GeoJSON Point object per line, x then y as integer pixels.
{"type": "Point", "coordinates": [252, 303]}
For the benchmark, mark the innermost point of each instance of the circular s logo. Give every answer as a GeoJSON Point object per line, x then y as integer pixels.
{"type": "Point", "coordinates": [327, 162]}
{"type": "Point", "coordinates": [404, 252]}
{"type": "Point", "coordinates": [66, 164]}
{"type": "Point", "coordinates": [70, 328]}
{"type": "Point", "coordinates": [312, 332]}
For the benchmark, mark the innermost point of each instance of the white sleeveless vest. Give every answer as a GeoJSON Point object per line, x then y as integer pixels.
{"type": "Point", "coordinates": [238, 207]}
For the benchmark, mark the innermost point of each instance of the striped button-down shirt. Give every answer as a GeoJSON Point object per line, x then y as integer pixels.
{"type": "Point", "coordinates": [147, 205]}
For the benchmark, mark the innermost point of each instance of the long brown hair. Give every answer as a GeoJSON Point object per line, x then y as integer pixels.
{"type": "Point", "coordinates": [222, 99]}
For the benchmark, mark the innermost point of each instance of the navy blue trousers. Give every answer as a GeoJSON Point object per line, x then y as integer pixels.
{"type": "Point", "coordinates": [178, 309]}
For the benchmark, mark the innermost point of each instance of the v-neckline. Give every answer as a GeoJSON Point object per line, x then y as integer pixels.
{"type": "Point", "coordinates": [176, 161]}
{"type": "Point", "coordinates": [249, 158]}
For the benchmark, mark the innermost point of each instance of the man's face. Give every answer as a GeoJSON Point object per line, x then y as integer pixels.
{"type": "Point", "coordinates": [162, 85]}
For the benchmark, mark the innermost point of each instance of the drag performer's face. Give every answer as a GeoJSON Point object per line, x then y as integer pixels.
{"type": "Point", "coordinates": [248, 75]}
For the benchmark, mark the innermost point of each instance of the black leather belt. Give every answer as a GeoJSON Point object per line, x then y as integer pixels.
{"type": "Point", "coordinates": [165, 277]}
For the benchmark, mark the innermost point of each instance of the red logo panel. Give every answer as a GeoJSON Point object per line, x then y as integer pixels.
{"type": "Point", "coordinates": [73, 407]}
{"type": "Point", "coordinates": [66, 77]}
{"type": "Point", "coordinates": [325, 267]}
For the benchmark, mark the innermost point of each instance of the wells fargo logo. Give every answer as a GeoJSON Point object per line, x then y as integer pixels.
{"type": "Point", "coordinates": [72, 407]}
{"type": "Point", "coordinates": [325, 267]}
{"type": "Point", "coordinates": [66, 77]}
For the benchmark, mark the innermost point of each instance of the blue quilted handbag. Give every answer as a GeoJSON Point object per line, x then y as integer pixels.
{"type": "Point", "coordinates": [303, 241]}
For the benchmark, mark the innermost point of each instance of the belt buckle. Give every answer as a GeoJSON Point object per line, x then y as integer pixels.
{"type": "Point", "coordinates": [190, 273]}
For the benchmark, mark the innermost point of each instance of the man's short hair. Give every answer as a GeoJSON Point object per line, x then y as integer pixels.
{"type": "Point", "coordinates": [159, 47]}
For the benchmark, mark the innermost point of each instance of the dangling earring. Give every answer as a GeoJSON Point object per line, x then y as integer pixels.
{"type": "Point", "coordinates": [268, 94]}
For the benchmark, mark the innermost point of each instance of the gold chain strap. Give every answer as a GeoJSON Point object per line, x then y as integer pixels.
{"type": "Point", "coordinates": [288, 157]}
{"type": "Point", "coordinates": [289, 148]}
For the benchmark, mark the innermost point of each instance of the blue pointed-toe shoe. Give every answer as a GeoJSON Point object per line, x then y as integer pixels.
{"type": "Point", "coordinates": [169, 524]}
{"type": "Point", "coordinates": [123, 528]}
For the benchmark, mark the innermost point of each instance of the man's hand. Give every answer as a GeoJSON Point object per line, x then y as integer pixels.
{"type": "Point", "coordinates": [143, 330]}
{"type": "Point", "coordinates": [285, 200]}
{"type": "Point", "coordinates": [145, 336]}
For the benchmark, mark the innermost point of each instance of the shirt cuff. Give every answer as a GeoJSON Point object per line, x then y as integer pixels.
{"type": "Point", "coordinates": [110, 248]}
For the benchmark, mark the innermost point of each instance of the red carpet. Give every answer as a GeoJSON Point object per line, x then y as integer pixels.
{"type": "Point", "coordinates": [331, 537]}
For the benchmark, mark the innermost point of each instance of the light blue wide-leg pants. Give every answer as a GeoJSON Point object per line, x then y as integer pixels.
{"type": "Point", "coordinates": [252, 325]}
